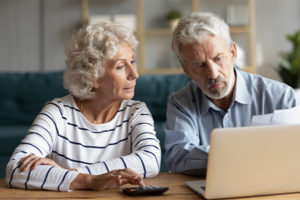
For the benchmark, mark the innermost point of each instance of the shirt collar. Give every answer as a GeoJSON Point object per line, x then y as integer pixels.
{"type": "Point", "coordinates": [241, 93]}
{"type": "Point", "coordinates": [240, 88]}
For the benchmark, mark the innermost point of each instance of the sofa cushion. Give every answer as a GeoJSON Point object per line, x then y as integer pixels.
{"type": "Point", "coordinates": [3, 160]}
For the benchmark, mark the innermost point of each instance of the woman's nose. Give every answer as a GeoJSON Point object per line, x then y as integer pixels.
{"type": "Point", "coordinates": [133, 74]}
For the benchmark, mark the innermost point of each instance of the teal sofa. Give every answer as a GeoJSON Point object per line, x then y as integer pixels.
{"type": "Point", "coordinates": [22, 96]}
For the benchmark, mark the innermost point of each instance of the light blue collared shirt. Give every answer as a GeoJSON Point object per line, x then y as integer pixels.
{"type": "Point", "coordinates": [191, 117]}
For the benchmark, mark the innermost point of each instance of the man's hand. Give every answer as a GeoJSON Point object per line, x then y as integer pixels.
{"type": "Point", "coordinates": [109, 180]}
{"type": "Point", "coordinates": [32, 162]}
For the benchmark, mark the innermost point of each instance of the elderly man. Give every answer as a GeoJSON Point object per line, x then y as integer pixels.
{"type": "Point", "coordinates": [219, 95]}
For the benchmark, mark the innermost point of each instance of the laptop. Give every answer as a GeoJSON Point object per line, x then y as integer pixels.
{"type": "Point", "coordinates": [248, 161]}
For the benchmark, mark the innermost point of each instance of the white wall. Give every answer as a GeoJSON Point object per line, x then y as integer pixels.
{"type": "Point", "coordinates": [274, 19]}
{"type": "Point", "coordinates": [33, 33]}
{"type": "Point", "coordinates": [19, 38]}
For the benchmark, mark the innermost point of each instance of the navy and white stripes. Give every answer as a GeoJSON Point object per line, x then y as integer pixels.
{"type": "Point", "coordinates": [62, 133]}
{"type": "Point", "coordinates": [42, 186]}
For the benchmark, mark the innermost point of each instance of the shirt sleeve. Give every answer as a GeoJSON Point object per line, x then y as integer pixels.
{"type": "Point", "coordinates": [39, 142]}
{"type": "Point", "coordinates": [145, 154]}
{"type": "Point", "coordinates": [184, 154]}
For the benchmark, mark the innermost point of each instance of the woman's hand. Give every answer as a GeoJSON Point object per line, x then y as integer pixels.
{"type": "Point", "coordinates": [109, 180]}
{"type": "Point", "coordinates": [117, 178]}
{"type": "Point", "coordinates": [32, 162]}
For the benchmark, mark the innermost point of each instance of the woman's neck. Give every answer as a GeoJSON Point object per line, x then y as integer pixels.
{"type": "Point", "coordinates": [98, 111]}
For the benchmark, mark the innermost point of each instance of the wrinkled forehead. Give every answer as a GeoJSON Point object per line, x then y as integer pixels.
{"type": "Point", "coordinates": [210, 45]}
{"type": "Point", "coordinates": [218, 40]}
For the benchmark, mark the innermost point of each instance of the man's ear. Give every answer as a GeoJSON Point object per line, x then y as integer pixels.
{"type": "Point", "coordinates": [185, 70]}
{"type": "Point", "coordinates": [233, 51]}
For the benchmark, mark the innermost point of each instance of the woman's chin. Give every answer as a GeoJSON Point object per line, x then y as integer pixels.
{"type": "Point", "coordinates": [128, 96]}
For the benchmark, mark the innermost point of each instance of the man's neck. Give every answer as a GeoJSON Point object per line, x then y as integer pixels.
{"type": "Point", "coordinates": [225, 102]}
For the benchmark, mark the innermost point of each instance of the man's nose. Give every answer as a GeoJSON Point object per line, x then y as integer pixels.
{"type": "Point", "coordinates": [213, 70]}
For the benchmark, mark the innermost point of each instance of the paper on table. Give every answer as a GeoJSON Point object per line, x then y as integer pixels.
{"type": "Point", "coordinates": [285, 116]}
{"type": "Point", "coordinates": [261, 120]}
{"type": "Point", "coordinates": [289, 116]}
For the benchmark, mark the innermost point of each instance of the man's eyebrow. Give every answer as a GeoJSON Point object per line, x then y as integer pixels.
{"type": "Point", "coordinates": [219, 54]}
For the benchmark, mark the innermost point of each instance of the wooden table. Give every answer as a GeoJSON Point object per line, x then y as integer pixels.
{"type": "Point", "coordinates": [175, 182]}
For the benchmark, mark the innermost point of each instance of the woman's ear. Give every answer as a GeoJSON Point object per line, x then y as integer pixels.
{"type": "Point", "coordinates": [97, 83]}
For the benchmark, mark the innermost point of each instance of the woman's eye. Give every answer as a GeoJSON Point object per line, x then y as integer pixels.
{"type": "Point", "coordinates": [120, 67]}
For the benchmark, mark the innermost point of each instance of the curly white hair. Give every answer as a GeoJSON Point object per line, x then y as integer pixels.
{"type": "Point", "coordinates": [88, 51]}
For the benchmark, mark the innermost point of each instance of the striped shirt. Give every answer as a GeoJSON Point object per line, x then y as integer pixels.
{"type": "Point", "coordinates": [62, 133]}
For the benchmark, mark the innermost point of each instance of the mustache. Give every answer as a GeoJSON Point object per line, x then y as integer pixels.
{"type": "Point", "coordinates": [213, 81]}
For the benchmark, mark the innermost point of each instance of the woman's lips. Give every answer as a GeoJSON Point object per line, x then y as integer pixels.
{"type": "Point", "coordinates": [130, 88]}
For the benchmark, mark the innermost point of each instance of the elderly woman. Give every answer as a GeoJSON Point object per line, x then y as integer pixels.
{"type": "Point", "coordinates": [95, 137]}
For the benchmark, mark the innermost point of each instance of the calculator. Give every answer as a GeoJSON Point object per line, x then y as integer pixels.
{"type": "Point", "coordinates": [148, 190]}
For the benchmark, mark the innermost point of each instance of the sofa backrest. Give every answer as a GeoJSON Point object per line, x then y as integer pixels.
{"type": "Point", "coordinates": [155, 89]}
{"type": "Point", "coordinates": [22, 95]}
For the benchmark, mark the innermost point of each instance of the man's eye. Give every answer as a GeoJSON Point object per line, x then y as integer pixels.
{"type": "Point", "coordinates": [133, 62]}
{"type": "Point", "coordinates": [218, 58]}
{"type": "Point", "coordinates": [199, 65]}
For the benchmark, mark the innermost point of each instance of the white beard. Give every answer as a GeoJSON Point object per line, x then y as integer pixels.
{"type": "Point", "coordinates": [220, 93]}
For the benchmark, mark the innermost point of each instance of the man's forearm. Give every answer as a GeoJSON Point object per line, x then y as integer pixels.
{"type": "Point", "coordinates": [192, 162]}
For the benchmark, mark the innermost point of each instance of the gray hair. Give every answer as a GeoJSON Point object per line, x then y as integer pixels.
{"type": "Point", "coordinates": [197, 27]}
{"type": "Point", "coordinates": [88, 51]}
